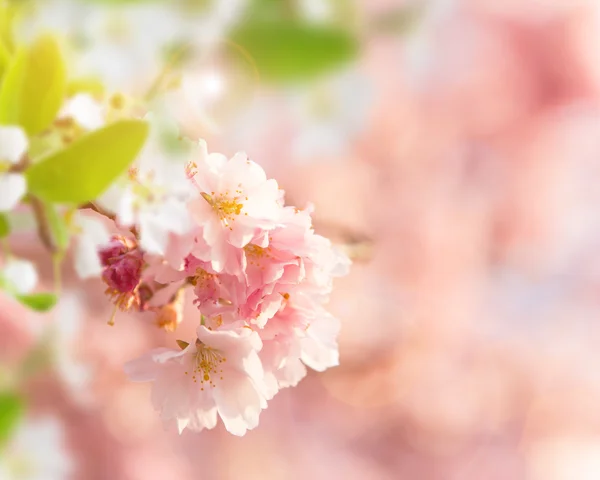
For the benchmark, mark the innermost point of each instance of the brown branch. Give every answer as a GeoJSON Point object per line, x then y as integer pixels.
{"type": "Point", "coordinates": [20, 166]}
{"type": "Point", "coordinates": [105, 213]}
{"type": "Point", "coordinates": [43, 227]}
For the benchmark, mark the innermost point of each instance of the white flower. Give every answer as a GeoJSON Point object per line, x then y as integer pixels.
{"type": "Point", "coordinates": [13, 144]}
{"type": "Point", "coordinates": [153, 195]}
{"type": "Point", "coordinates": [220, 373]}
{"type": "Point", "coordinates": [86, 111]}
{"type": "Point", "coordinates": [36, 452]}
{"type": "Point", "coordinates": [64, 335]}
{"type": "Point", "coordinates": [330, 114]}
{"type": "Point", "coordinates": [113, 41]}
{"type": "Point", "coordinates": [91, 234]}
{"type": "Point", "coordinates": [18, 276]}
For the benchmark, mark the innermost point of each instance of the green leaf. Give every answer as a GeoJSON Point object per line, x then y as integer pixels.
{"type": "Point", "coordinates": [4, 225]}
{"type": "Point", "coordinates": [90, 85]}
{"type": "Point", "coordinates": [7, 16]}
{"type": "Point", "coordinates": [287, 51]}
{"type": "Point", "coordinates": [34, 86]}
{"type": "Point", "coordinates": [12, 408]}
{"type": "Point", "coordinates": [4, 58]}
{"type": "Point", "coordinates": [40, 302]}
{"type": "Point", "coordinates": [87, 167]}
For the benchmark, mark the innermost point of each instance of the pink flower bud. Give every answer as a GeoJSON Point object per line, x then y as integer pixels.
{"type": "Point", "coordinates": [116, 248]}
{"type": "Point", "coordinates": [124, 273]}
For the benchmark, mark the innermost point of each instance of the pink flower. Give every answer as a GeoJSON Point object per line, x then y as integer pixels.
{"type": "Point", "coordinates": [238, 205]}
{"type": "Point", "coordinates": [302, 333]}
{"type": "Point", "coordinates": [219, 373]}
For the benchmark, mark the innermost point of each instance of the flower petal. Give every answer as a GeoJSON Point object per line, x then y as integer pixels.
{"type": "Point", "coordinates": [13, 143]}
{"type": "Point", "coordinates": [12, 188]}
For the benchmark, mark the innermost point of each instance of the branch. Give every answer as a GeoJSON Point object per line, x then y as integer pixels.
{"type": "Point", "coordinates": [43, 227]}
{"type": "Point", "coordinates": [107, 214]}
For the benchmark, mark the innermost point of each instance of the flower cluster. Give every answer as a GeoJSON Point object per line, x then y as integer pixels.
{"type": "Point", "coordinates": [260, 277]}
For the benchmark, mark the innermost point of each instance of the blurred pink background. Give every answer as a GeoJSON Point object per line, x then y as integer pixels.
{"type": "Point", "coordinates": [467, 195]}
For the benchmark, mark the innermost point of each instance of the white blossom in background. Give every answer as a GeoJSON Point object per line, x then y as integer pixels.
{"type": "Point", "coordinates": [90, 234]}
{"type": "Point", "coordinates": [63, 339]}
{"type": "Point", "coordinates": [318, 11]}
{"type": "Point", "coordinates": [154, 192]}
{"type": "Point", "coordinates": [36, 452]}
{"type": "Point", "coordinates": [18, 276]}
{"type": "Point", "coordinates": [85, 110]}
{"type": "Point", "coordinates": [13, 145]}
{"type": "Point", "coordinates": [329, 115]}
{"type": "Point", "coordinates": [112, 41]}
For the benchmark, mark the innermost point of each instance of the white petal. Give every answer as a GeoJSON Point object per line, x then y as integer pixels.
{"type": "Point", "coordinates": [13, 144]}
{"type": "Point", "coordinates": [153, 236]}
{"type": "Point", "coordinates": [20, 275]}
{"type": "Point", "coordinates": [87, 262]}
{"type": "Point", "coordinates": [94, 234]}
{"type": "Point", "coordinates": [93, 229]}
{"type": "Point", "coordinates": [12, 188]}
{"type": "Point", "coordinates": [85, 111]}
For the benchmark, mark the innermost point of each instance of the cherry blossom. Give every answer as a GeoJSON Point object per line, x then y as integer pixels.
{"type": "Point", "coordinates": [219, 373]}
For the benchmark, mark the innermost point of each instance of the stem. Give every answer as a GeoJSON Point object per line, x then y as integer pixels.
{"type": "Point", "coordinates": [41, 218]}
{"type": "Point", "coordinates": [56, 268]}
{"type": "Point", "coordinates": [165, 71]}
{"type": "Point", "coordinates": [110, 215]}
{"type": "Point", "coordinates": [5, 247]}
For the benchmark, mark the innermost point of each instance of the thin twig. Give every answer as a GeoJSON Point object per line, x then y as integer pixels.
{"type": "Point", "coordinates": [43, 226]}
{"type": "Point", "coordinates": [100, 210]}
{"type": "Point", "coordinates": [105, 213]}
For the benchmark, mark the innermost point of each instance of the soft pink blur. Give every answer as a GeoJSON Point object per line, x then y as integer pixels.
{"type": "Point", "coordinates": [471, 325]}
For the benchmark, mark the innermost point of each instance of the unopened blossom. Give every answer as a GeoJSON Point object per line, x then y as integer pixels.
{"type": "Point", "coordinates": [13, 145]}
{"type": "Point", "coordinates": [218, 373]}
{"type": "Point", "coordinates": [237, 205]}
{"type": "Point", "coordinates": [123, 263]}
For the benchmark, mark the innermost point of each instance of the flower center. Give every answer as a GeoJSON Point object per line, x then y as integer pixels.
{"type": "Point", "coordinates": [257, 255]}
{"type": "Point", "coordinates": [144, 189]}
{"type": "Point", "coordinates": [202, 279]}
{"type": "Point", "coordinates": [207, 365]}
{"type": "Point", "coordinates": [226, 207]}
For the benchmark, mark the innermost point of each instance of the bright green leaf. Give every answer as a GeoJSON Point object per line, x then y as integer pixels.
{"type": "Point", "coordinates": [7, 16]}
{"type": "Point", "coordinates": [292, 52]}
{"type": "Point", "coordinates": [87, 167]}
{"type": "Point", "coordinates": [4, 58]}
{"type": "Point", "coordinates": [90, 85]}
{"type": "Point", "coordinates": [4, 226]}
{"type": "Point", "coordinates": [40, 302]}
{"type": "Point", "coordinates": [34, 86]}
{"type": "Point", "coordinates": [12, 408]}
